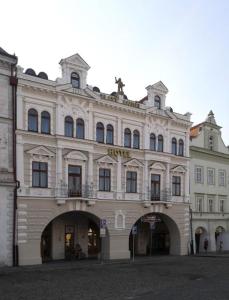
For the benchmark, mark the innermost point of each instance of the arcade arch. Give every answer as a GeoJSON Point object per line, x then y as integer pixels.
{"type": "Point", "coordinates": [72, 235]}
{"type": "Point", "coordinates": [156, 233]}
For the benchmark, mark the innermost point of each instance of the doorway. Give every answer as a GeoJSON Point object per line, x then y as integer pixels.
{"type": "Point", "coordinates": [74, 181]}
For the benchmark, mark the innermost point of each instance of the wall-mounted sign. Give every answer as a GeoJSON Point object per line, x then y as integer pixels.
{"type": "Point", "coordinates": [118, 152]}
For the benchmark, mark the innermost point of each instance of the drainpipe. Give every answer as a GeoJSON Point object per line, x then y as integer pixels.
{"type": "Point", "coordinates": [13, 83]}
{"type": "Point", "coordinates": [191, 233]}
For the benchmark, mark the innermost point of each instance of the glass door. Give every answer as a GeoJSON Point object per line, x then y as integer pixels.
{"type": "Point", "coordinates": [74, 181]}
{"type": "Point", "coordinates": [155, 187]}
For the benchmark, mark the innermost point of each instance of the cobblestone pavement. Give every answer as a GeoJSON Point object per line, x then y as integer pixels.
{"type": "Point", "coordinates": [161, 277]}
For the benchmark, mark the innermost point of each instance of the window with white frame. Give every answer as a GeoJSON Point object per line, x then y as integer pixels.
{"type": "Point", "coordinates": [222, 178]}
{"type": "Point", "coordinates": [104, 180]}
{"type": "Point", "coordinates": [199, 204]}
{"type": "Point", "coordinates": [199, 174]}
{"type": "Point", "coordinates": [221, 205]}
{"type": "Point", "coordinates": [210, 205]}
{"type": "Point", "coordinates": [211, 176]}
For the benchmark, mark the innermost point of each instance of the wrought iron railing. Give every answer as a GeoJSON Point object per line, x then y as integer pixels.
{"type": "Point", "coordinates": [84, 191]}
{"type": "Point", "coordinates": [164, 196]}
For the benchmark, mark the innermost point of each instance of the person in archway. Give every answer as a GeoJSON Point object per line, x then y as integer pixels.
{"type": "Point", "coordinates": [206, 245]}
{"type": "Point", "coordinates": [220, 246]}
{"type": "Point", "coordinates": [78, 251]}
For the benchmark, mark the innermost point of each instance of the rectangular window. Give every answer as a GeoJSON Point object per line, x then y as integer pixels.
{"type": "Point", "coordinates": [131, 182]}
{"type": "Point", "coordinates": [221, 206]}
{"type": "Point", "coordinates": [222, 178]}
{"type": "Point", "coordinates": [199, 204]}
{"type": "Point", "coordinates": [39, 174]}
{"type": "Point", "coordinates": [211, 176]}
{"type": "Point", "coordinates": [210, 205]}
{"type": "Point", "coordinates": [199, 174]}
{"type": "Point", "coordinates": [105, 180]}
{"type": "Point", "coordinates": [176, 188]}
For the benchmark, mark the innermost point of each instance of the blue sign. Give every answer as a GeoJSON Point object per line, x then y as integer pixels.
{"type": "Point", "coordinates": [103, 223]}
{"type": "Point", "coordinates": [134, 230]}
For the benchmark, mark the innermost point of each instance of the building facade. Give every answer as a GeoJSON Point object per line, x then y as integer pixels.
{"type": "Point", "coordinates": [209, 186]}
{"type": "Point", "coordinates": [7, 178]}
{"type": "Point", "coordinates": [92, 166]}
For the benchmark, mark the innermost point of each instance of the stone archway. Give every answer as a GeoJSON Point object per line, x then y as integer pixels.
{"type": "Point", "coordinates": [156, 233]}
{"type": "Point", "coordinates": [200, 236]}
{"type": "Point", "coordinates": [72, 235]}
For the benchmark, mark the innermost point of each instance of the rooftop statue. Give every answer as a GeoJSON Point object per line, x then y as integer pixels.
{"type": "Point", "coordinates": [120, 86]}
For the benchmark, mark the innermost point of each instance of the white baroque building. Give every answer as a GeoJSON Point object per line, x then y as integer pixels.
{"type": "Point", "coordinates": [7, 170]}
{"type": "Point", "coordinates": [88, 160]}
{"type": "Point", "coordinates": [209, 173]}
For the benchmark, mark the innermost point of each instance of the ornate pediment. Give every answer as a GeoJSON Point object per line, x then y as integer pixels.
{"type": "Point", "coordinates": [178, 169]}
{"type": "Point", "coordinates": [106, 159]}
{"type": "Point", "coordinates": [76, 155]}
{"type": "Point", "coordinates": [41, 151]}
{"type": "Point", "coordinates": [75, 60]}
{"type": "Point", "coordinates": [159, 86]}
{"type": "Point", "coordinates": [133, 163]}
{"type": "Point", "coordinates": [157, 166]}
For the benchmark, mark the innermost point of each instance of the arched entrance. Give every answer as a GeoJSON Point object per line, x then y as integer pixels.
{"type": "Point", "coordinates": [73, 235]}
{"type": "Point", "coordinates": [154, 234]}
{"type": "Point", "coordinates": [200, 236]}
{"type": "Point", "coordinates": [220, 238]}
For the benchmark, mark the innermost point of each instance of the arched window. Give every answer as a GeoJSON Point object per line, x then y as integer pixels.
{"type": "Point", "coordinates": [127, 138]}
{"type": "Point", "coordinates": [100, 133]}
{"type": "Point", "coordinates": [157, 102]}
{"type": "Point", "coordinates": [136, 139]}
{"type": "Point", "coordinates": [68, 126]}
{"type": "Point", "coordinates": [110, 135]}
{"type": "Point", "coordinates": [75, 80]}
{"type": "Point", "coordinates": [174, 146]}
{"type": "Point", "coordinates": [80, 128]}
{"type": "Point", "coordinates": [33, 120]}
{"type": "Point", "coordinates": [152, 142]}
{"type": "Point", "coordinates": [45, 122]}
{"type": "Point", "coordinates": [181, 148]}
{"type": "Point", "coordinates": [160, 143]}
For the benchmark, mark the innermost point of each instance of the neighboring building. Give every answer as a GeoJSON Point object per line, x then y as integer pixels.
{"type": "Point", "coordinates": [7, 179]}
{"type": "Point", "coordinates": [86, 159]}
{"type": "Point", "coordinates": [209, 175]}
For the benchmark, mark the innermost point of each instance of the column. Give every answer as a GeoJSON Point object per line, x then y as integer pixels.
{"type": "Point", "coordinates": [90, 123]}
{"type": "Point", "coordinates": [90, 169]}
{"type": "Point", "coordinates": [186, 188]}
{"type": "Point", "coordinates": [145, 181]}
{"type": "Point", "coordinates": [119, 178]}
{"type": "Point", "coordinates": [59, 173]}
{"type": "Point", "coordinates": [145, 137]}
{"type": "Point", "coordinates": [20, 160]}
{"type": "Point", "coordinates": [186, 150]}
{"type": "Point", "coordinates": [119, 132]}
{"type": "Point", "coordinates": [20, 110]}
{"type": "Point", "coordinates": [167, 181]}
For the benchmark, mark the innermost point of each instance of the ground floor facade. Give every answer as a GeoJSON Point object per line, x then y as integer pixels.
{"type": "Point", "coordinates": [6, 223]}
{"type": "Point", "coordinates": [78, 228]}
{"type": "Point", "coordinates": [214, 230]}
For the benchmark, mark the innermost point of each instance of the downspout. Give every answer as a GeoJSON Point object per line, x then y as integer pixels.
{"type": "Point", "coordinates": [13, 83]}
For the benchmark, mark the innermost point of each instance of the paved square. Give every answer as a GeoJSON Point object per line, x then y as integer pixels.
{"type": "Point", "coordinates": [159, 277]}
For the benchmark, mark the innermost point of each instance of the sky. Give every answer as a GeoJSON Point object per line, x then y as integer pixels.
{"type": "Point", "coordinates": [185, 44]}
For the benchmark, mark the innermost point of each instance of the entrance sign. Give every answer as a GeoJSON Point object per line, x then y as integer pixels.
{"type": "Point", "coordinates": [103, 224]}
{"type": "Point", "coordinates": [118, 152]}
{"type": "Point", "coordinates": [150, 219]}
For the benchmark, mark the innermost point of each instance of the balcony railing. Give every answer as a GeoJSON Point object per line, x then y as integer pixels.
{"type": "Point", "coordinates": [164, 196]}
{"type": "Point", "coordinates": [85, 191]}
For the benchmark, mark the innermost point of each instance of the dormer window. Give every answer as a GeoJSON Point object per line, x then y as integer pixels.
{"type": "Point", "coordinates": [75, 80]}
{"type": "Point", "coordinates": [157, 102]}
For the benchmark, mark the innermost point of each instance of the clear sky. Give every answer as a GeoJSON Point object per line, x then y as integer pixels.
{"type": "Point", "coordinates": [183, 43]}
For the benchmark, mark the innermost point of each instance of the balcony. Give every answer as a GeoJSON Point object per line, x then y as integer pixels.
{"type": "Point", "coordinates": [85, 191]}
{"type": "Point", "coordinates": [164, 196]}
